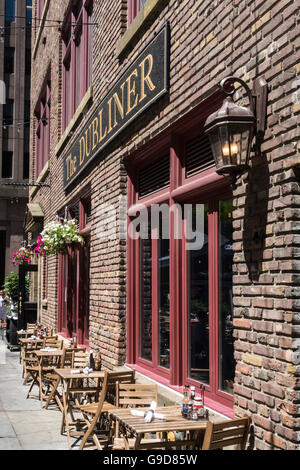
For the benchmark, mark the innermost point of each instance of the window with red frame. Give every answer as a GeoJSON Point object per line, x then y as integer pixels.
{"type": "Point", "coordinates": [134, 6]}
{"type": "Point", "coordinates": [73, 280]}
{"type": "Point", "coordinates": [180, 308]}
{"type": "Point", "coordinates": [77, 56]}
{"type": "Point", "coordinates": [42, 114]}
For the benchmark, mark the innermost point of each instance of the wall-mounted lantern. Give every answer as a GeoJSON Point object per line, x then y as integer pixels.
{"type": "Point", "coordinates": [231, 128]}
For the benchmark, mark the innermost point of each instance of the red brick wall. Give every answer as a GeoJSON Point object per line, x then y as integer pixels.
{"type": "Point", "coordinates": [209, 40]}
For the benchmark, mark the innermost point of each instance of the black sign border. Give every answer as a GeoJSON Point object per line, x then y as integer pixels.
{"type": "Point", "coordinates": [165, 26]}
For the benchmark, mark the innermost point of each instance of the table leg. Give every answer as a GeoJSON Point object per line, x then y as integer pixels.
{"type": "Point", "coordinates": [65, 421]}
{"type": "Point", "coordinates": [53, 393]}
{"type": "Point", "coordinates": [137, 441]}
{"type": "Point", "coordinates": [41, 383]}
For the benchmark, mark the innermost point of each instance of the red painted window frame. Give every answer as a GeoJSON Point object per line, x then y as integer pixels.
{"type": "Point", "coordinates": [75, 261]}
{"type": "Point", "coordinates": [202, 187]}
{"type": "Point", "coordinates": [42, 128]}
{"type": "Point", "coordinates": [77, 57]}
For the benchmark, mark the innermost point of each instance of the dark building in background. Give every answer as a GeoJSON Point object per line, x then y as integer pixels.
{"type": "Point", "coordinates": [15, 64]}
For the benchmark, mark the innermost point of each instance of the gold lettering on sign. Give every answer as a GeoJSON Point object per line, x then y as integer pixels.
{"type": "Point", "coordinates": [82, 151]}
{"type": "Point", "coordinates": [109, 115]}
{"type": "Point", "coordinates": [102, 136]}
{"type": "Point", "coordinates": [131, 91]}
{"type": "Point", "coordinates": [118, 104]}
{"type": "Point", "coordinates": [146, 77]}
{"type": "Point", "coordinates": [88, 141]}
{"type": "Point", "coordinates": [95, 132]}
{"type": "Point", "coordinates": [71, 166]}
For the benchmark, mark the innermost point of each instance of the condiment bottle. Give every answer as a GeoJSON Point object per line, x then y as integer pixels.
{"type": "Point", "coordinates": [91, 361]}
{"type": "Point", "coordinates": [185, 402]}
{"type": "Point", "coordinates": [191, 401]}
{"type": "Point", "coordinates": [75, 341]}
{"type": "Point", "coordinates": [200, 407]}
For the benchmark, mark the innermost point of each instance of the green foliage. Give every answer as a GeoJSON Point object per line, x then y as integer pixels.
{"type": "Point", "coordinates": [11, 286]}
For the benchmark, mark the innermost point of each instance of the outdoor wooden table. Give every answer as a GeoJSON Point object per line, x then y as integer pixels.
{"type": "Point", "coordinates": [67, 390]}
{"type": "Point", "coordinates": [31, 340]}
{"type": "Point", "coordinates": [135, 425]}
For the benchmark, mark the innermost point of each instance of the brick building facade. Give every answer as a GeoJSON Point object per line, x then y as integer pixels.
{"type": "Point", "coordinates": [100, 300]}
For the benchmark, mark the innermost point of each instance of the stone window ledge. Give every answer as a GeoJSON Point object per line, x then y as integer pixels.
{"type": "Point", "coordinates": [41, 27]}
{"type": "Point", "coordinates": [150, 7]}
{"type": "Point", "coordinates": [78, 113]}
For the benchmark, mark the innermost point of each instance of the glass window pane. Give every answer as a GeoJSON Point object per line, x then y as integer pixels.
{"type": "Point", "coordinates": [146, 298]}
{"type": "Point", "coordinates": [9, 11]}
{"type": "Point", "coordinates": [7, 164]}
{"type": "Point", "coordinates": [226, 351]}
{"type": "Point", "coordinates": [28, 11]}
{"type": "Point", "coordinates": [164, 296]}
{"type": "Point", "coordinates": [198, 312]}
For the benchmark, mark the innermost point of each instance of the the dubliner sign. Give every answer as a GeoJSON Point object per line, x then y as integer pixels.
{"type": "Point", "coordinates": [144, 81]}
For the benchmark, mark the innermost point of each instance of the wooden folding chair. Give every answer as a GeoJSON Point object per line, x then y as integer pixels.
{"type": "Point", "coordinates": [39, 370]}
{"type": "Point", "coordinates": [227, 433]}
{"type": "Point", "coordinates": [29, 359]}
{"type": "Point", "coordinates": [92, 419]}
{"type": "Point", "coordinates": [80, 390]}
{"type": "Point", "coordinates": [133, 396]}
{"type": "Point", "coordinates": [53, 380]}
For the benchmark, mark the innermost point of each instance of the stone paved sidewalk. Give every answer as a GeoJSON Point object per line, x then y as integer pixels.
{"type": "Point", "coordinates": [24, 425]}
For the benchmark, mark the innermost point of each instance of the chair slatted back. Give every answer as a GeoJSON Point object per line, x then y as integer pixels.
{"type": "Point", "coordinates": [53, 342]}
{"type": "Point", "coordinates": [122, 377]}
{"type": "Point", "coordinates": [68, 357]}
{"type": "Point", "coordinates": [227, 433]}
{"type": "Point", "coordinates": [135, 395]}
{"type": "Point", "coordinates": [80, 359]}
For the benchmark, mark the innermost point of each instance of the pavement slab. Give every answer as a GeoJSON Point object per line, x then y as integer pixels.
{"type": "Point", "coordinates": [24, 425]}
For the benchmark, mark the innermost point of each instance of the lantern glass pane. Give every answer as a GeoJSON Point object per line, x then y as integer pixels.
{"type": "Point", "coordinates": [216, 147]}
{"type": "Point", "coordinates": [225, 145]}
{"type": "Point", "coordinates": [240, 142]}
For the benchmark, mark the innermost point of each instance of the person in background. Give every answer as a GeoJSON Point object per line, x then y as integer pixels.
{"type": "Point", "coordinates": [3, 303]}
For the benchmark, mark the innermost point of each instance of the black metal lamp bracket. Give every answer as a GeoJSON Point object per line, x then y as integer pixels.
{"type": "Point", "coordinates": [257, 99]}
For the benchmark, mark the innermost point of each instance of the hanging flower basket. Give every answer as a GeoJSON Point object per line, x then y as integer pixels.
{"type": "Point", "coordinates": [56, 237]}
{"type": "Point", "coordinates": [21, 256]}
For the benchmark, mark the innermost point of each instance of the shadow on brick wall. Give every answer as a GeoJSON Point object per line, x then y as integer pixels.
{"type": "Point", "coordinates": [256, 211]}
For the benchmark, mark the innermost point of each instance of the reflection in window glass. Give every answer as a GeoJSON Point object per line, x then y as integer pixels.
{"type": "Point", "coordinates": [146, 298]}
{"type": "Point", "coordinates": [198, 314]}
{"type": "Point", "coordinates": [164, 300]}
{"type": "Point", "coordinates": [226, 350]}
